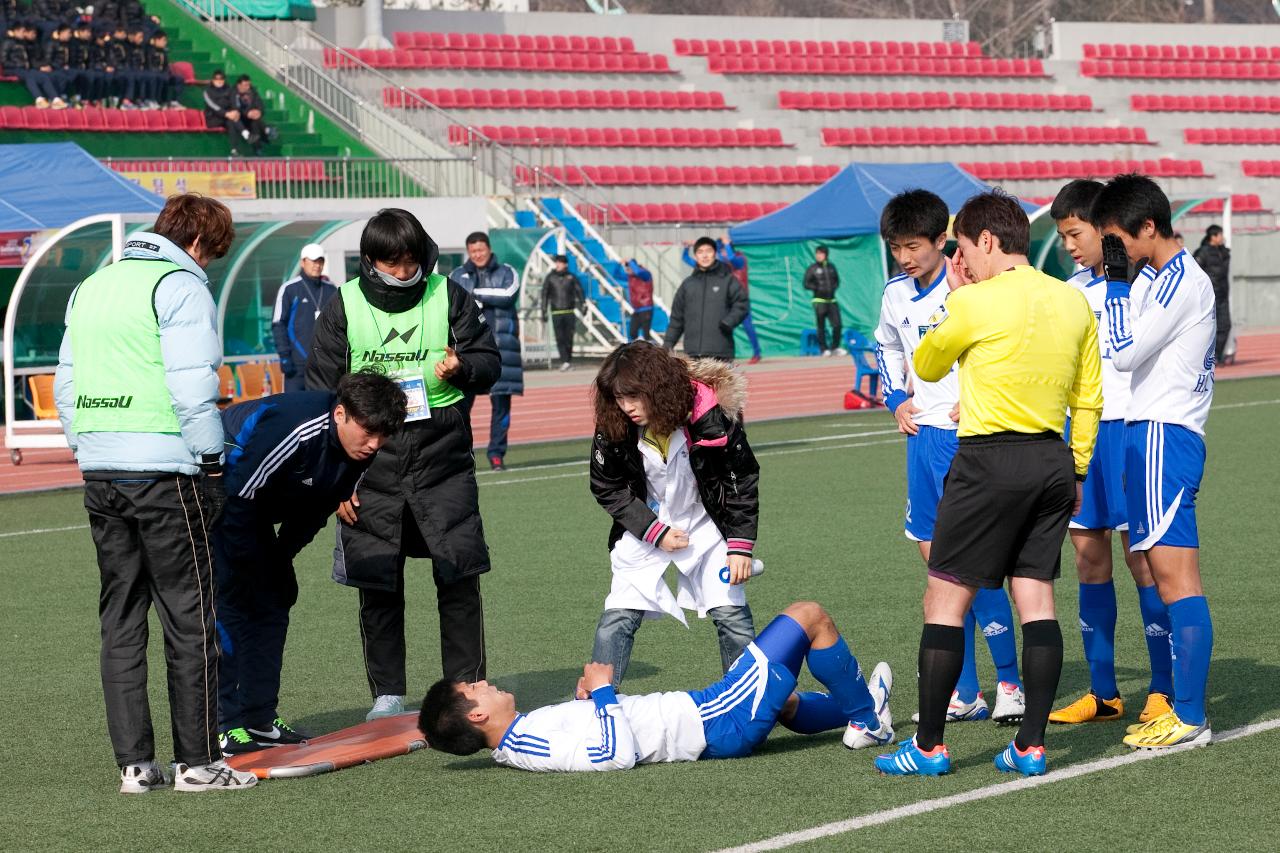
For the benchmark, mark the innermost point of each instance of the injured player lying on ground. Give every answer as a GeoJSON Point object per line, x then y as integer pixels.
{"type": "Point", "coordinates": [603, 731]}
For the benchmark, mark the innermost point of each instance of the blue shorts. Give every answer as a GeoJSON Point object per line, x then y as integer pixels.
{"type": "Point", "coordinates": [1103, 507]}
{"type": "Point", "coordinates": [928, 461]}
{"type": "Point", "coordinates": [740, 710]}
{"type": "Point", "coordinates": [1163, 465]}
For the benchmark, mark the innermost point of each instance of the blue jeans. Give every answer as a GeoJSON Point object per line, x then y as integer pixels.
{"type": "Point", "coordinates": [616, 632]}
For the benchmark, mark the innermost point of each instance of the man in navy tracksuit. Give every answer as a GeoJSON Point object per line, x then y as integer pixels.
{"type": "Point", "coordinates": [298, 304]}
{"type": "Point", "coordinates": [291, 459]}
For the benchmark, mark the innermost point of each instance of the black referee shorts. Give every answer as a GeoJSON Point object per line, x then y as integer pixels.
{"type": "Point", "coordinates": [1004, 511]}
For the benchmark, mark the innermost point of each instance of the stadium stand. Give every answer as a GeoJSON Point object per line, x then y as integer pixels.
{"type": "Point", "coordinates": [560, 63]}
{"type": "Point", "coordinates": [1173, 69]}
{"type": "Point", "coordinates": [622, 137]}
{"type": "Point", "coordinates": [1261, 168]}
{"type": "Point", "coordinates": [681, 175]}
{"type": "Point", "coordinates": [104, 119]}
{"type": "Point", "coordinates": [1205, 103]}
{"type": "Point", "coordinates": [1247, 203]}
{"type": "Point", "coordinates": [778, 47]}
{"type": "Point", "coordinates": [554, 99]}
{"type": "Point", "coordinates": [875, 66]}
{"type": "Point", "coordinates": [1198, 52]}
{"type": "Point", "coordinates": [986, 101]}
{"type": "Point", "coordinates": [1232, 136]}
{"type": "Point", "coordinates": [684, 212]}
{"type": "Point", "coordinates": [999, 135]}
{"type": "Point", "coordinates": [1039, 170]}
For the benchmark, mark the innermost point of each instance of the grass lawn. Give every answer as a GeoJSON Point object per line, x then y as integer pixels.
{"type": "Point", "coordinates": [832, 495]}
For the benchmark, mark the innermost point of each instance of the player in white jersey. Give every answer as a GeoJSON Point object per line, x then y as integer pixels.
{"type": "Point", "coordinates": [601, 730]}
{"type": "Point", "coordinates": [1103, 507]}
{"type": "Point", "coordinates": [1162, 334]}
{"type": "Point", "coordinates": [914, 224]}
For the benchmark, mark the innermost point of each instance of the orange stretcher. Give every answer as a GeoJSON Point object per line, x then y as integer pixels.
{"type": "Point", "coordinates": [386, 737]}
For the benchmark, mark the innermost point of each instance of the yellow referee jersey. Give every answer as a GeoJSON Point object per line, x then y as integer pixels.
{"type": "Point", "coordinates": [1028, 351]}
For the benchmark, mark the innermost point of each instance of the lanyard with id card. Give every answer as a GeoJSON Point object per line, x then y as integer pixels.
{"type": "Point", "coordinates": [411, 381]}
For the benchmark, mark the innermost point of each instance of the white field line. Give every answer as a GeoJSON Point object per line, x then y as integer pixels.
{"type": "Point", "coordinates": [45, 530]}
{"type": "Point", "coordinates": [1000, 789]}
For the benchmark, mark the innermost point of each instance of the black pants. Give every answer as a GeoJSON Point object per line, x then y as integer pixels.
{"type": "Point", "coordinates": [461, 612]}
{"type": "Point", "coordinates": [1224, 327]}
{"type": "Point", "coordinates": [824, 312]}
{"type": "Point", "coordinates": [153, 548]}
{"type": "Point", "coordinates": [640, 324]}
{"type": "Point", "coordinates": [253, 621]}
{"type": "Point", "coordinates": [39, 83]}
{"type": "Point", "coordinates": [564, 325]}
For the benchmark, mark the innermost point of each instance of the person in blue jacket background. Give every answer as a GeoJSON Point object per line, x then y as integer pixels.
{"type": "Point", "coordinates": [298, 304]}
{"type": "Point", "coordinates": [291, 459]}
{"type": "Point", "coordinates": [496, 288]}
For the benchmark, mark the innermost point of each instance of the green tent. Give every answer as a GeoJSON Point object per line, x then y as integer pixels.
{"type": "Point", "coordinates": [844, 215]}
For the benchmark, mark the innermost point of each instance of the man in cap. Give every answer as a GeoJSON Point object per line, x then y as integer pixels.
{"type": "Point", "coordinates": [298, 304]}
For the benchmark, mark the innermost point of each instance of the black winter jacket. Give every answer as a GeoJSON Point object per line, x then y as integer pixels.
{"type": "Point", "coordinates": [707, 308]}
{"type": "Point", "coordinates": [427, 471]}
{"type": "Point", "coordinates": [217, 100]}
{"type": "Point", "coordinates": [1216, 263]}
{"type": "Point", "coordinates": [497, 289]}
{"type": "Point", "coordinates": [726, 470]}
{"type": "Point", "coordinates": [13, 55]}
{"type": "Point", "coordinates": [561, 291]}
{"type": "Point", "coordinates": [822, 279]}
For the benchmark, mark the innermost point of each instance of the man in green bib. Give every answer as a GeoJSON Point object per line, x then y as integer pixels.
{"type": "Point", "coordinates": [137, 392]}
{"type": "Point", "coordinates": [419, 498]}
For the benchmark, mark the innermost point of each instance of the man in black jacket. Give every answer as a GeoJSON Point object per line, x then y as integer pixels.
{"type": "Point", "coordinates": [707, 307]}
{"type": "Point", "coordinates": [562, 298]}
{"type": "Point", "coordinates": [822, 279]}
{"type": "Point", "coordinates": [291, 459]}
{"type": "Point", "coordinates": [238, 110]}
{"type": "Point", "coordinates": [419, 498]}
{"type": "Point", "coordinates": [168, 86]}
{"type": "Point", "coordinates": [22, 57]}
{"type": "Point", "coordinates": [1214, 258]}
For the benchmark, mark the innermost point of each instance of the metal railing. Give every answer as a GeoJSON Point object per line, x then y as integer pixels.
{"type": "Point", "coordinates": [315, 177]}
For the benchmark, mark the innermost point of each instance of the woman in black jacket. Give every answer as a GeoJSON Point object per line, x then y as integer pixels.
{"type": "Point", "coordinates": [419, 498]}
{"type": "Point", "coordinates": [671, 465]}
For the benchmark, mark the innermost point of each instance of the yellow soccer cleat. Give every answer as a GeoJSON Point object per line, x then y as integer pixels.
{"type": "Point", "coordinates": [1137, 727]}
{"type": "Point", "coordinates": [1167, 732]}
{"type": "Point", "coordinates": [1157, 706]}
{"type": "Point", "coordinates": [1089, 709]}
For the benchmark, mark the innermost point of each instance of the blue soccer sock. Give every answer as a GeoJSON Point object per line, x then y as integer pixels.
{"type": "Point", "coordinates": [1155, 625]}
{"type": "Point", "coordinates": [838, 670]}
{"type": "Point", "coordinates": [817, 712]}
{"type": "Point", "coordinates": [1192, 632]}
{"type": "Point", "coordinates": [1098, 629]}
{"type": "Point", "coordinates": [995, 617]}
{"type": "Point", "coordinates": [967, 685]}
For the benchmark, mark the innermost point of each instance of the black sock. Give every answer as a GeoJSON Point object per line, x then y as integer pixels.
{"type": "Point", "coordinates": [1041, 667]}
{"type": "Point", "coordinates": [941, 657]}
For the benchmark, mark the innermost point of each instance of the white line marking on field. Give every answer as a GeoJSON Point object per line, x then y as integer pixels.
{"type": "Point", "coordinates": [998, 790]}
{"type": "Point", "coordinates": [1244, 405]}
{"type": "Point", "coordinates": [45, 530]}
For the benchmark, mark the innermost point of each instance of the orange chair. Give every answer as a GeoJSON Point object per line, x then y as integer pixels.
{"type": "Point", "coordinates": [42, 403]}
{"type": "Point", "coordinates": [276, 375]}
{"type": "Point", "coordinates": [226, 386]}
{"type": "Point", "coordinates": [253, 381]}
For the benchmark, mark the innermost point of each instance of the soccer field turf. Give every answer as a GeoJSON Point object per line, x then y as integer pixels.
{"type": "Point", "coordinates": [832, 490]}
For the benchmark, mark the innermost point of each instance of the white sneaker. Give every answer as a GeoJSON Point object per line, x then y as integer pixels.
{"type": "Point", "coordinates": [858, 736]}
{"type": "Point", "coordinates": [565, 366]}
{"type": "Point", "coordinates": [1010, 704]}
{"type": "Point", "coordinates": [826, 353]}
{"type": "Point", "coordinates": [142, 777]}
{"type": "Point", "coordinates": [960, 712]}
{"type": "Point", "coordinates": [210, 777]}
{"type": "Point", "coordinates": [386, 706]}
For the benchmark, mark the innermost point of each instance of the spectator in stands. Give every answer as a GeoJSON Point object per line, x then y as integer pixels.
{"type": "Point", "coordinates": [249, 106]}
{"type": "Point", "coordinates": [823, 279]}
{"type": "Point", "coordinates": [738, 263]}
{"type": "Point", "coordinates": [167, 86]}
{"type": "Point", "coordinates": [137, 81]}
{"type": "Point", "coordinates": [496, 288]}
{"type": "Point", "coordinates": [21, 57]}
{"type": "Point", "coordinates": [57, 56]}
{"type": "Point", "coordinates": [239, 110]}
{"type": "Point", "coordinates": [86, 80]}
{"type": "Point", "coordinates": [104, 63]}
{"type": "Point", "coordinates": [562, 296]}
{"type": "Point", "coordinates": [707, 308]}
{"type": "Point", "coordinates": [640, 295]}
{"type": "Point", "coordinates": [48, 14]}
{"type": "Point", "coordinates": [298, 305]}
{"type": "Point", "coordinates": [1214, 258]}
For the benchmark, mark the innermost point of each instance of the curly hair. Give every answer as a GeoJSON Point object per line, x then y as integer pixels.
{"type": "Point", "coordinates": [645, 370]}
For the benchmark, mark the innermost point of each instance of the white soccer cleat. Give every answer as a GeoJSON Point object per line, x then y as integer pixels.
{"type": "Point", "coordinates": [217, 776]}
{"type": "Point", "coordinates": [858, 736]}
{"type": "Point", "coordinates": [1010, 704]}
{"type": "Point", "coordinates": [386, 706]}
{"type": "Point", "coordinates": [962, 712]}
{"type": "Point", "coordinates": [142, 777]}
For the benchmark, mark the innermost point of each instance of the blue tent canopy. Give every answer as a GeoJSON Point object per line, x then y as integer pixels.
{"type": "Point", "coordinates": [850, 203]}
{"type": "Point", "coordinates": [49, 185]}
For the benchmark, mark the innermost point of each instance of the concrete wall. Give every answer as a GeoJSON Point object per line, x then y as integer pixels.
{"type": "Point", "coordinates": [1069, 37]}
{"type": "Point", "coordinates": [447, 220]}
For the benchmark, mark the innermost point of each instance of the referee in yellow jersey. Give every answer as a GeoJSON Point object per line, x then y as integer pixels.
{"type": "Point", "coordinates": [1028, 351]}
